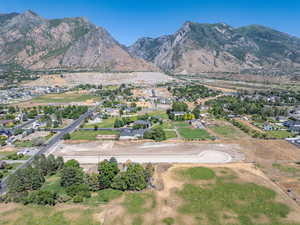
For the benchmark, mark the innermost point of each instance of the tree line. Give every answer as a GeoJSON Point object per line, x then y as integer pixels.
{"type": "Point", "coordinates": [26, 185]}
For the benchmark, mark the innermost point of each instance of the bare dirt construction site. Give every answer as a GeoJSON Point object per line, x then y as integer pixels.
{"type": "Point", "coordinates": [74, 79]}
{"type": "Point", "coordinates": [94, 152]}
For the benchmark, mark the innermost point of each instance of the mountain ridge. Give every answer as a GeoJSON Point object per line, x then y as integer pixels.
{"type": "Point", "coordinates": [218, 47]}
{"type": "Point", "coordinates": [36, 43]}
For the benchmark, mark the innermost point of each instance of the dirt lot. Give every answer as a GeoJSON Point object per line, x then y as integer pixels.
{"type": "Point", "coordinates": [73, 79]}
{"type": "Point", "coordinates": [93, 152]}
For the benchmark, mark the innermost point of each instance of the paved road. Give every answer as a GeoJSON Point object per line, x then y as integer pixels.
{"type": "Point", "coordinates": [49, 144]}
{"type": "Point", "coordinates": [21, 126]}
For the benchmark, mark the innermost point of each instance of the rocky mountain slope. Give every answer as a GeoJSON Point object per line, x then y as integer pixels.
{"type": "Point", "coordinates": [35, 43]}
{"type": "Point", "coordinates": [196, 48]}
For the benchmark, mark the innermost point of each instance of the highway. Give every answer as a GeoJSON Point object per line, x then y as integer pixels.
{"type": "Point", "coordinates": [69, 129]}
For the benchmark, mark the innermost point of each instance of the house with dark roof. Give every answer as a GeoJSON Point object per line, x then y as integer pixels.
{"type": "Point", "coordinates": [132, 134]}
{"type": "Point", "coordinates": [142, 123]}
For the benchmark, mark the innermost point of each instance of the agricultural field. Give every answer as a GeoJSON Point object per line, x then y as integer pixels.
{"type": "Point", "coordinates": [184, 194]}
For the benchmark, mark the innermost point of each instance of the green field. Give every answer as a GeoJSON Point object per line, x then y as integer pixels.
{"type": "Point", "coordinates": [198, 134]}
{"type": "Point", "coordinates": [181, 124]}
{"type": "Point", "coordinates": [23, 144]}
{"type": "Point", "coordinates": [226, 131]}
{"type": "Point", "coordinates": [107, 123]}
{"type": "Point", "coordinates": [227, 202]}
{"type": "Point", "coordinates": [161, 114]}
{"type": "Point", "coordinates": [91, 135]}
{"type": "Point", "coordinates": [279, 134]}
{"type": "Point", "coordinates": [170, 134]}
{"type": "Point", "coordinates": [64, 98]}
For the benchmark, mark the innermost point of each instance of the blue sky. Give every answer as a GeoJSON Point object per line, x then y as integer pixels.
{"type": "Point", "coordinates": [128, 20]}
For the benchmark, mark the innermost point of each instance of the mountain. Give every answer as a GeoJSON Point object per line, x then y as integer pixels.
{"type": "Point", "coordinates": [35, 43]}
{"type": "Point", "coordinates": [197, 48]}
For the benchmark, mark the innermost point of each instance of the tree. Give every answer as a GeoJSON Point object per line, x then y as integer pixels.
{"type": "Point", "coordinates": [71, 176]}
{"type": "Point", "coordinates": [92, 180]}
{"type": "Point", "coordinates": [41, 197]}
{"type": "Point", "coordinates": [118, 123]}
{"type": "Point", "coordinates": [26, 179]}
{"type": "Point", "coordinates": [120, 181]}
{"type": "Point", "coordinates": [78, 189]}
{"type": "Point", "coordinates": [179, 107]}
{"type": "Point", "coordinates": [38, 141]}
{"type": "Point", "coordinates": [67, 136]}
{"type": "Point", "coordinates": [107, 171]}
{"type": "Point", "coordinates": [156, 133]}
{"type": "Point", "coordinates": [135, 175]}
{"type": "Point", "coordinates": [72, 163]}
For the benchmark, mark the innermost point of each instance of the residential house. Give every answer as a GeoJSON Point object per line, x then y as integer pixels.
{"type": "Point", "coordinates": [143, 123]}
{"type": "Point", "coordinates": [268, 127]}
{"type": "Point", "coordinates": [132, 134]}
{"type": "Point", "coordinates": [6, 122]}
{"type": "Point", "coordinates": [196, 123]}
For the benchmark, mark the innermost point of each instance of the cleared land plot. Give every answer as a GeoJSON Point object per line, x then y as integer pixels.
{"type": "Point", "coordinates": [91, 135]}
{"type": "Point", "coordinates": [74, 79]}
{"type": "Point", "coordinates": [92, 152]}
{"type": "Point", "coordinates": [196, 134]}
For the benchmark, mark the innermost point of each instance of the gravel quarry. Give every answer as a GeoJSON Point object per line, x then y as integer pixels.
{"type": "Point", "coordinates": [94, 152]}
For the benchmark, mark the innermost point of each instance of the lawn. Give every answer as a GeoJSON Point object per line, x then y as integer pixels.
{"type": "Point", "coordinates": [181, 124]}
{"type": "Point", "coordinates": [161, 114]}
{"type": "Point", "coordinates": [64, 98]}
{"type": "Point", "coordinates": [23, 144]}
{"type": "Point", "coordinates": [190, 133]}
{"type": "Point", "coordinates": [107, 123]}
{"type": "Point", "coordinates": [3, 154]}
{"type": "Point", "coordinates": [170, 134]}
{"type": "Point", "coordinates": [226, 131]}
{"type": "Point", "coordinates": [279, 134]}
{"type": "Point", "coordinates": [91, 135]}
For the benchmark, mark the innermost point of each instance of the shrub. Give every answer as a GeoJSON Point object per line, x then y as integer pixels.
{"type": "Point", "coordinates": [41, 197]}
{"type": "Point", "coordinates": [81, 189]}
{"type": "Point", "coordinates": [168, 221]}
{"type": "Point", "coordinates": [78, 199]}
